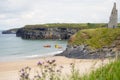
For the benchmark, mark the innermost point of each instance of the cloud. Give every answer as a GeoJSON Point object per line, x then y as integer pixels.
{"type": "Point", "coordinates": [17, 13]}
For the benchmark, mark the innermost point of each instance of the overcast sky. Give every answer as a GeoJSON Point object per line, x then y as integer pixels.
{"type": "Point", "coordinates": [17, 13]}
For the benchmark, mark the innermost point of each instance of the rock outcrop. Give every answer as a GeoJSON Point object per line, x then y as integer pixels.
{"type": "Point", "coordinates": [84, 52]}
{"type": "Point", "coordinates": [46, 33]}
{"type": "Point", "coordinates": [104, 44]}
{"type": "Point", "coordinates": [11, 31]}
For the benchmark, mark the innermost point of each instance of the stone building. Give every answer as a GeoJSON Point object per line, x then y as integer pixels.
{"type": "Point", "coordinates": [113, 17]}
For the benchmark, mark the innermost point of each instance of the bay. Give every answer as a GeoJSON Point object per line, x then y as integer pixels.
{"type": "Point", "coordinates": [15, 48]}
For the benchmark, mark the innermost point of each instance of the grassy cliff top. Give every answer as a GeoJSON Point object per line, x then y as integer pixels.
{"type": "Point", "coordinates": [95, 38]}
{"type": "Point", "coordinates": [67, 25]}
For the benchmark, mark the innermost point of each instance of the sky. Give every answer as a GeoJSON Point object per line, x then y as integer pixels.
{"type": "Point", "coordinates": [18, 13]}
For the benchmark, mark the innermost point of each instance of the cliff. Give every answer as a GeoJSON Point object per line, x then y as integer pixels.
{"type": "Point", "coordinates": [53, 31]}
{"type": "Point", "coordinates": [46, 33]}
{"type": "Point", "coordinates": [93, 43]}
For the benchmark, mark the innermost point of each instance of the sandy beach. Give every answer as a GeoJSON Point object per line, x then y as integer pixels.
{"type": "Point", "coordinates": [10, 70]}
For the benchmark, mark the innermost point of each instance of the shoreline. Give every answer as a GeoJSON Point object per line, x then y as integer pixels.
{"type": "Point", "coordinates": [27, 57]}
{"type": "Point", "coordinates": [10, 70]}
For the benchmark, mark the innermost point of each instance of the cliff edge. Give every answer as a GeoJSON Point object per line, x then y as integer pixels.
{"type": "Point", "coordinates": [93, 43]}
{"type": "Point", "coordinates": [53, 31]}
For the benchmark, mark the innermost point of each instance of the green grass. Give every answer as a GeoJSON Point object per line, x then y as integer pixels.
{"type": "Point", "coordinates": [95, 38]}
{"type": "Point", "coordinates": [67, 25]}
{"type": "Point", "coordinates": [108, 72]}
{"type": "Point", "coordinates": [118, 24]}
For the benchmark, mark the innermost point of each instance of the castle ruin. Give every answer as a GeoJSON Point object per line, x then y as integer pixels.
{"type": "Point", "coordinates": [113, 17]}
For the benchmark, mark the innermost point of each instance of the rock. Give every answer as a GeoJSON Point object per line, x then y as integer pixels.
{"type": "Point", "coordinates": [84, 52]}
{"type": "Point", "coordinates": [106, 49]}
{"type": "Point", "coordinates": [81, 48]}
{"type": "Point", "coordinates": [11, 31]}
{"type": "Point", "coordinates": [46, 33]}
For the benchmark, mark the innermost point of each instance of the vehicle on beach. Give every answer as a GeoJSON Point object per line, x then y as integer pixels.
{"type": "Point", "coordinates": [57, 46]}
{"type": "Point", "coordinates": [47, 46]}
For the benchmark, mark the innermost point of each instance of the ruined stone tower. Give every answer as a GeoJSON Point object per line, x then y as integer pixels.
{"type": "Point", "coordinates": [113, 18]}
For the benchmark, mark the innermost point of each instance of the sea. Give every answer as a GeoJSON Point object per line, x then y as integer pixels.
{"type": "Point", "coordinates": [14, 48]}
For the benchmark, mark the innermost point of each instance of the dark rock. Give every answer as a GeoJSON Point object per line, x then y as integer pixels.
{"type": "Point", "coordinates": [84, 52]}
{"type": "Point", "coordinates": [9, 32]}
{"type": "Point", "coordinates": [46, 33]}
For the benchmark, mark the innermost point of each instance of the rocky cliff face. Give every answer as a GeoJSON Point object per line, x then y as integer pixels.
{"type": "Point", "coordinates": [85, 52]}
{"type": "Point", "coordinates": [106, 44]}
{"type": "Point", "coordinates": [46, 33]}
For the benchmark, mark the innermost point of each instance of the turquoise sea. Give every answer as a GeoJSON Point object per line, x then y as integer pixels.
{"type": "Point", "coordinates": [15, 48]}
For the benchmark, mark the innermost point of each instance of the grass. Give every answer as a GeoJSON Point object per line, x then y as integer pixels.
{"type": "Point", "coordinates": [67, 25]}
{"type": "Point", "coordinates": [118, 24]}
{"type": "Point", "coordinates": [95, 38]}
{"type": "Point", "coordinates": [108, 72]}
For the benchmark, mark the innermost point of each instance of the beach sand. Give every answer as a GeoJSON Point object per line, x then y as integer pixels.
{"type": "Point", "coordinates": [10, 70]}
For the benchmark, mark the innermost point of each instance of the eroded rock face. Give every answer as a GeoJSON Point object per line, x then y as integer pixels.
{"type": "Point", "coordinates": [84, 52]}
{"type": "Point", "coordinates": [46, 33]}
